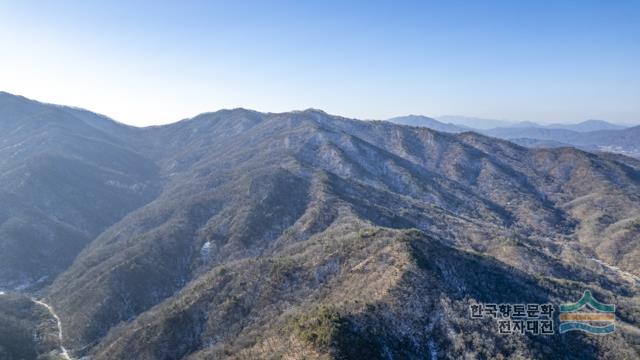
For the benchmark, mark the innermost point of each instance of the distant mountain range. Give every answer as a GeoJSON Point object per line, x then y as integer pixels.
{"type": "Point", "coordinates": [423, 121]}
{"type": "Point", "coordinates": [487, 124]}
{"type": "Point", "coordinates": [474, 122]}
{"type": "Point", "coordinates": [588, 125]}
{"type": "Point", "coordinates": [625, 141]}
{"type": "Point", "coordinates": [245, 235]}
{"type": "Point", "coordinates": [590, 135]}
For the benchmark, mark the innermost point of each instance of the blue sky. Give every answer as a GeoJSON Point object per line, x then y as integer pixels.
{"type": "Point", "coordinates": [153, 62]}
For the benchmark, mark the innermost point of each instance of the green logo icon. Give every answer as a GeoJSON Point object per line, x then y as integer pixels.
{"type": "Point", "coordinates": [600, 321]}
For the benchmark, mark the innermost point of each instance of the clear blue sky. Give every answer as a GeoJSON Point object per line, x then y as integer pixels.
{"type": "Point", "coordinates": [151, 62]}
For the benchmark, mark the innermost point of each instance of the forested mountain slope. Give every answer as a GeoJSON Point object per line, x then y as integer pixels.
{"type": "Point", "coordinates": [244, 234]}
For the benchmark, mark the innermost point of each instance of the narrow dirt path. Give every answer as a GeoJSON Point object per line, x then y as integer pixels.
{"type": "Point", "coordinates": [63, 351]}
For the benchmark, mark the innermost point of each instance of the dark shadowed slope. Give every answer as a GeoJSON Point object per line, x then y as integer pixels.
{"type": "Point", "coordinates": [65, 176]}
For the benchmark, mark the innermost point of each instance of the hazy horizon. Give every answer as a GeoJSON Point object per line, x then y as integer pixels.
{"type": "Point", "coordinates": [439, 118]}
{"type": "Point", "coordinates": [148, 63]}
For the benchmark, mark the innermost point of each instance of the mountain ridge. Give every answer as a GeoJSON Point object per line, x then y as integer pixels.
{"type": "Point", "coordinates": [419, 120]}
{"type": "Point", "coordinates": [263, 224]}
